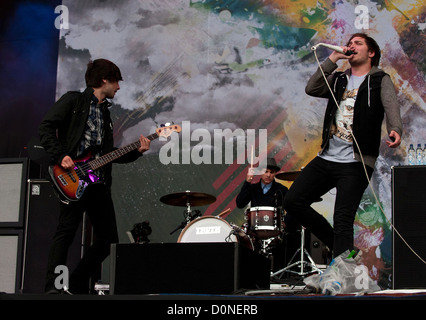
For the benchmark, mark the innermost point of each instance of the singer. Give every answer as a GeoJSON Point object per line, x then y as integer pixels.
{"type": "Point", "coordinates": [351, 137]}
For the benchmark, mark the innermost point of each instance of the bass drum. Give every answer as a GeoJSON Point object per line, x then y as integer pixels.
{"type": "Point", "coordinates": [213, 229]}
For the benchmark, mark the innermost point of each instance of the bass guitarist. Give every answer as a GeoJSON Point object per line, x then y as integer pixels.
{"type": "Point", "coordinates": [76, 123]}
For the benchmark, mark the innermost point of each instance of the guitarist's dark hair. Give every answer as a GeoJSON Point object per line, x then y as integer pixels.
{"type": "Point", "coordinates": [101, 69]}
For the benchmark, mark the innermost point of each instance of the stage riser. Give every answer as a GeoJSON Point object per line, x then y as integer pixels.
{"type": "Point", "coordinates": [213, 268]}
{"type": "Point", "coordinates": [409, 219]}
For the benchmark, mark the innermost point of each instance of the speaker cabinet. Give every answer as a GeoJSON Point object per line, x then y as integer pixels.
{"type": "Point", "coordinates": [10, 260]}
{"type": "Point", "coordinates": [215, 268]}
{"type": "Point", "coordinates": [318, 250]}
{"type": "Point", "coordinates": [409, 219]}
{"type": "Point", "coordinates": [42, 216]}
{"type": "Point", "coordinates": [13, 177]}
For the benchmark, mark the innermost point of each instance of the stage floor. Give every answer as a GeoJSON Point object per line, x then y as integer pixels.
{"type": "Point", "coordinates": [276, 292]}
{"type": "Point", "coordinates": [254, 304]}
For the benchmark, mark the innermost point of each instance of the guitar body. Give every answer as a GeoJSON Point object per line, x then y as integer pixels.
{"type": "Point", "coordinates": [72, 183]}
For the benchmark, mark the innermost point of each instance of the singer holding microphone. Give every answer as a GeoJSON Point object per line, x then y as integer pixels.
{"type": "Point", "coordinates": [351, 138]}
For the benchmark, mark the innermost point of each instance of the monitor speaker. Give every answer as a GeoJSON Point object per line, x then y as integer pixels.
{"type": "Point", "coordinates": [202, 268]}
{"type": "Point", "coordinates": [409, 219]}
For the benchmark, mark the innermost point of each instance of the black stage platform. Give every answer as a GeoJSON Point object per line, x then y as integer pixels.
{"type": "Point", "coordinates": [260, 305]}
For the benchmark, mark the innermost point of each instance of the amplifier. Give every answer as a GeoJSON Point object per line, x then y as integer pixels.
{"type": "Point", "coordinates": [215, 268]}
{"type": "Point", "coordinates": [409, 219]}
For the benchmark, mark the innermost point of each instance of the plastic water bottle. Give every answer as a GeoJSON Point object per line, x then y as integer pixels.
{"type": "Point", "coordinates": [419, 155]}
{"type": "Point", "coordinates": [424, 155]}
{"type": "Point", "coordinates": [331, 288]}
{"type": "Point", "coordinates": [411, 155]}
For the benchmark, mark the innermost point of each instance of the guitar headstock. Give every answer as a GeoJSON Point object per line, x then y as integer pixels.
{"type": "Point", "coordinates": [166, 131]}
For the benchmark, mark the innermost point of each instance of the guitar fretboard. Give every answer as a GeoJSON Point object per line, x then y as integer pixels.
{"type": "Point", "coordinates": [109, 157]}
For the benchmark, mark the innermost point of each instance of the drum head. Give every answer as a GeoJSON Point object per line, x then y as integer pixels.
{"type": "Point", "coordinates": [207, 229]}
{"type": "Point", "coordinates": [264, 208]}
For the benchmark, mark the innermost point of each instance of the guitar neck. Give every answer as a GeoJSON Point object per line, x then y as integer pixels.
{"type": "Point", "coordinates": [113, 155]}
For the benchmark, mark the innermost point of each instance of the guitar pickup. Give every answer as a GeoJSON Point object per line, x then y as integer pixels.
{"type": "Point", "coordinates": [72, 177]}
{"type": "Point", "coordinates": [62, 180]}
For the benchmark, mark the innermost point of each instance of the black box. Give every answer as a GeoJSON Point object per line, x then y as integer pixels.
{"type": "Point", "coordinates": [214, 268]}
{"type": "Point", "coordinates": [409, 221]}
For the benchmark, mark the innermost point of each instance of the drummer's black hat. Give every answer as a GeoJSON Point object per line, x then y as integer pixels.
{"type": "Point", "coordinates": [271, 164]}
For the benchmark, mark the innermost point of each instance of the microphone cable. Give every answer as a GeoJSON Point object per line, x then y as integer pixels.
{"type": "Point", "coordinates": [363, 163]}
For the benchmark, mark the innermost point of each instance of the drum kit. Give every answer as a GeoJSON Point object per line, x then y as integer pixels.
{"type": "Point", "coordinates": [263, 225]}
{"type": "Point", "coordinates": [196, 228]}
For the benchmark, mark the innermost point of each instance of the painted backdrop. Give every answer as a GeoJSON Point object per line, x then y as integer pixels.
{"type": "Point", "coordinates": [237, 65]}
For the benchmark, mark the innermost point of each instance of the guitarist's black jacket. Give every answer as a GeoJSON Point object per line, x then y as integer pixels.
{"type": "Point", "coordinates": [63, 127]}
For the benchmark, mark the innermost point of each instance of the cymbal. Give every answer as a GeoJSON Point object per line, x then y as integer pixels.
{"type": "Point", "coordinates": [183, 199]}
{"type": "Point", "coordinates": [288, 176]}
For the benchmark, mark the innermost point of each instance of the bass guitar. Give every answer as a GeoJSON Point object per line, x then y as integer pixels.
{"type": "Point", "coordinates": [71, 184]}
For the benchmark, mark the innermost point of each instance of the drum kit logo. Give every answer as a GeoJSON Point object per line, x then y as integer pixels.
{"type": "Point", "coordinates": [208, 230]}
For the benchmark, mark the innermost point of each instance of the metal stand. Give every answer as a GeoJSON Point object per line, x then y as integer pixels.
{"type": "Point", "coordinates": [188, 217]}
{"type": "Point", "coordinates": [302, 263]}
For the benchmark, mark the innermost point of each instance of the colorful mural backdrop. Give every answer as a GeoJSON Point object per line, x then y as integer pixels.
{"type": "Point", "coordinates": [212, 65]}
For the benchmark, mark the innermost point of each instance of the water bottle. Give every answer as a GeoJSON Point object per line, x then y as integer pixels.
{"type": "Point", "coordinates": [331, 288]}
{"type": "Point", "coordinates": [424, 155]}
{"type": "Point", "coordinates": [419, 155]}
{"type": "Point", "coordinates": [411, 155]}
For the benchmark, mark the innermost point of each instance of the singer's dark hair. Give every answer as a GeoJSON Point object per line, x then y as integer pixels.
{"type": "Point", "coordinates": [372, 46]}
{"type": "Point", "coordinates": [101, 69]}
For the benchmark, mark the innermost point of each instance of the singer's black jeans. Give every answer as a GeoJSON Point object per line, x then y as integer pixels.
{"type": "Point", "coordinates": [316, 179]}
{"type": "Point", "coordinates": [98, 205]}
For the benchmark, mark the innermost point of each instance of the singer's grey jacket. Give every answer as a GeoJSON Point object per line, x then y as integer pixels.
{"type": "Point", "coordinates": [376, 97]}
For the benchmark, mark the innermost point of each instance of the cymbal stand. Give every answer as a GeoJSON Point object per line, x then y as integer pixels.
{"type": "Point", "coordinates": [302, 263]}
{"type": "Point", "coordinates": [265, 246]}
{"type": "Point", "coordinates": [188, 217]}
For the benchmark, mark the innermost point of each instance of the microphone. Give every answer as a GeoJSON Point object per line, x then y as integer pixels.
{"type": "Point", "coordinates": [332, 47]}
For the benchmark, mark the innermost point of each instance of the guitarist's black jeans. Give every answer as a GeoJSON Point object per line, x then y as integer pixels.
{"type": "Point", "coordinates": [98, 205]}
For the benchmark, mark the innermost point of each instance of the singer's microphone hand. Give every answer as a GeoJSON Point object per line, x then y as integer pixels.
{"type": "Point", "coordinates": [336, 56]}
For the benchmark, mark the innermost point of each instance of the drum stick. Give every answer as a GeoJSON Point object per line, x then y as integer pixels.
{"type": "Point", "coordinates": [224, 212]}
{"type": "Point", "coordinates": [251, 166]}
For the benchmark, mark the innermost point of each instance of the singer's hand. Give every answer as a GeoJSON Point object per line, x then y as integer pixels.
{"type": "Point", "coordinates": [336, 56]}
{"type": "Point", "coordinates": [396, 139]}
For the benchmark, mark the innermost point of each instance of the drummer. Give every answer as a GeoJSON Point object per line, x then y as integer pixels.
{"type": "Point", "coordinates": [266, 192]}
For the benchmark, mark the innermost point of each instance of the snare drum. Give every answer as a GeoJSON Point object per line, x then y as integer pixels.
{"type": "Point", "coordinates": [264, 222]}
{"type": "Point", "coordinates": [213, 229]}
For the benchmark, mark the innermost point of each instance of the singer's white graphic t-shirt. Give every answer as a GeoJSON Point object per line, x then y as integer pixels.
{"type": "Point", "coordinates": [340, 145]}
